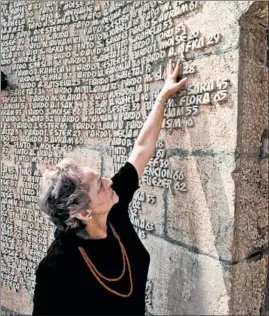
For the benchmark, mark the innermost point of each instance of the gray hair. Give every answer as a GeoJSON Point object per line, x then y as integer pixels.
{"type": "Point", "coordinates": [64, 193]}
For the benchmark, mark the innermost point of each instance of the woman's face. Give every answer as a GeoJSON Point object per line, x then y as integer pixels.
{"type": "Point", "coordinates": [102, 196]}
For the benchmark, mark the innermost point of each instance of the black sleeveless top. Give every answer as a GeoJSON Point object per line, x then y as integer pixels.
{"type": "Point", "coordinates": [66, 286]}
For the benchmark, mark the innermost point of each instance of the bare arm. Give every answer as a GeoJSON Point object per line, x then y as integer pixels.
{"type": "Point", "coordinates": [145, 144]}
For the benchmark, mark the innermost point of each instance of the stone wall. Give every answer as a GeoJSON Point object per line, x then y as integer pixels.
{"type": "Point", "coordinates": [85, 76]}
{"type": "Point", "coordinates": [251, 173]}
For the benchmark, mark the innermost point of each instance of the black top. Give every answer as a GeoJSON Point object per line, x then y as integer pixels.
{"type": "Point", "coordinates": [66, 286]}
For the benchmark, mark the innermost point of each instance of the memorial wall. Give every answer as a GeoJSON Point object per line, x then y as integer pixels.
{"type": "Point", "coordinates": [85, 75]}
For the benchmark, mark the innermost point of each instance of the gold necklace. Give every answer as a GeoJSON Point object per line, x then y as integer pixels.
{"type": "Point", "coordinates": [99, 276]}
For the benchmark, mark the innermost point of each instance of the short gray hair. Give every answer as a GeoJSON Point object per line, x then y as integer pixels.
{"type": "Point", "coordinates": [64, 193]}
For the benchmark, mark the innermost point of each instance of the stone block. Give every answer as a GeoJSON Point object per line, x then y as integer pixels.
{"type": "Point", "coordinates": [253, 84]}
{"type": "Point", "coordinates": [186, 283]}
{"type": "Point", "coordinates": [251, 209]}
{"type": "Point", "coordinates": [203, 217]}
{"type": "Point", "coordinates": [86, 76]}
{"type": "Point", "coordinates": [248, 292]}
{"type": "Point", "coordinates": [87, 157]}
{"type": "Point", "coordinates": [20, 302]}
{"type": "Point", "coordinates": [154, 213]}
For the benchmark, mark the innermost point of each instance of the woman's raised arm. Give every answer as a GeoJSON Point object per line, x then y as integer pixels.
{"type": "Point", "coordinates": [144, 147]}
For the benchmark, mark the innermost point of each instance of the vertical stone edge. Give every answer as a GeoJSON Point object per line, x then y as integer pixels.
{"type": "Point", "coordinates": [249, 271]}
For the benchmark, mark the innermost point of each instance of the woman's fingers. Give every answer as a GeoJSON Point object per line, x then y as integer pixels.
{"type": "Point", "coordinates": [176, 86]}
{"type": "Point", "coordinates": [170, 67]}
{"type": "Point", "coordinates": [173, 72]}
{"type": "Point", "coordinates": [182, 83]}
{"type": "Point", "coordinates": [177, 69]}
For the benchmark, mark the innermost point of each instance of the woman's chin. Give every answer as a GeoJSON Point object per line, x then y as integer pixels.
{"type": "Point", "coordinates": [115, 198]}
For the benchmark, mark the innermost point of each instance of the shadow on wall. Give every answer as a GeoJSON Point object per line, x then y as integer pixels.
{"type": "Point", "coordinates": [8, 82]}
{"type": "Point", "coordinates": [4, 81]}
{"type": "Point", "coordinates": [185, 291]}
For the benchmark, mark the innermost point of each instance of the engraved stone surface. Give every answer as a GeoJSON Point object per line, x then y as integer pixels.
{"type": "Point", "coordinates": [85, 76]}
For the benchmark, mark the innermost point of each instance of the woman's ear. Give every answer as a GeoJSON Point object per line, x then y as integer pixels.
{"type": "Point", "coordinates": [84, 216]}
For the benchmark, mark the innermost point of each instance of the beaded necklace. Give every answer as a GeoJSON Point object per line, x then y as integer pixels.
{"type": "Point", "coordinates": [101, 278]}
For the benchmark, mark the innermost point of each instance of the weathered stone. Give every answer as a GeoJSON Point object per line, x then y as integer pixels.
{"type": "Point", "coordinates": [204, 219]}
{"type": "Point", "coordinates": [87, 74]}
{"type": "Point", "coordinates": [248, 295]}
{"type": "Point", "coordinates": [186, 283]}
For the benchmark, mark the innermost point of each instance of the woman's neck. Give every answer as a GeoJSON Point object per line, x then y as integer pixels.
{"type": "Point", "coordinates": [97, 227]}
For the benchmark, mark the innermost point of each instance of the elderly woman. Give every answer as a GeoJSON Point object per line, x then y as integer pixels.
{"type": "Point", "coordinates": [97, 265]}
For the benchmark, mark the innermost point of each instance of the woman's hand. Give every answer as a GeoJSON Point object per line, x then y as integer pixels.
{"type": "Point", "coordinates": [171, 86]}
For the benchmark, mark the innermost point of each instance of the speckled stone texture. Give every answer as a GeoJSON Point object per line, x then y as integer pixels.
{"type": "Point", "coordinates": [209, 246]}
{"type": "Point", "coordinates": [249, 278]}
